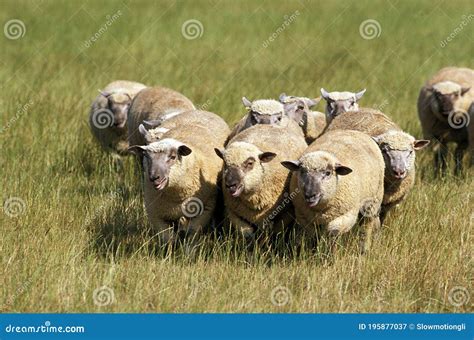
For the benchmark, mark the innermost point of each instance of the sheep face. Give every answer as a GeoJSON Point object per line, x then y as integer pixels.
{"type": "Point", "coordinates": [243, 167]}
{"type": "Point", "coordinates": [118, 104]}
{"type": "Point", "coordinates": [447, 98]}
{"type": "Point", "coordinates": [317, 173]}
{"type": "Point", "coordinates": [297, 107]}
{"type": "Point", "coordinates": [161, 160]}
{"type": "Point", "coordinates": [398, 150]}
{"type": "Point", "coordinates": [339, 102]}
{"type": "Point", "coordinates": [264, 111]}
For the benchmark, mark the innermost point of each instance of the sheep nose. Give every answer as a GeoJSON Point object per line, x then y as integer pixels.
{"type": "Point", "coordinates": [399, 173]}
{"type": "Point", "coordinates": [155, 178]}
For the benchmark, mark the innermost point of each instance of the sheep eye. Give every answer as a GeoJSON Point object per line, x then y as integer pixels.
{"type": "Point", "coordinates": [173, 157]}
{"type": "Point", "coordinates": [327, 173]}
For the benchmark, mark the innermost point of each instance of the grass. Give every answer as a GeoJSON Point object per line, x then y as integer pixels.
{"type": "Point", "coordinates": [80, 228]}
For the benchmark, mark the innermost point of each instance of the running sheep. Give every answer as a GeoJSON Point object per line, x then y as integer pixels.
{"type": "Point", "coordinates": [108, 115]}
{"type": "Point", "coordinates": [338, 179]}
{"type": "Point", "coordinates": [299, 109]}
{"type": "Point", "coordinates": [443, 106]}
{"type": "Point", "coordinates": [339, 102]}
{"type": "Point", "coordinates": [154, 103]}
{"type": "Point", "coordinates": [181, 180]}
{"type": "Point", "coordinates": [397, 147]}
{"type": "Point", "coordinates": [264, 111]}
{"type": "Point", "coordinates": [254, 184]}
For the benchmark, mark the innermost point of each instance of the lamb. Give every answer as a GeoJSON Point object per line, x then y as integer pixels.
{"type": "Point", "coordinates": [397, 147]}
{"type": "Point", "coordinates": [203, 119]}
{"type": "Point", "coordinates": [108, 115]}
{"type": "Point", "coordinates": [181, 180]}
{"type": "Point", "coordinates": [255, 186]}
{"type": "Point", "coordinates": [338, 178]}
{"type": "Point", "coordinates": [443, 105]}
{"type": "Point", "coordinates": [299, 109]}
{"type": "Point", "coordinates": [264, 111]}
{"type": "Point", "coordinates": [338, 102]}
{"type": "Point", "coordinates": [154, 103]}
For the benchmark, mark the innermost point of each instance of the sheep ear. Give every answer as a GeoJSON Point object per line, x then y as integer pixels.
{"type": "Point", "coordinates": [266, 157]}
{"type": "Point", "coordinates": [282, 97]}
{"type": "Point", "coordinates": [359, 94]}
{"type": "Point", "coordinates": [313, 101]}
{"type": "Point", "coordinates": [219, 153]}
{"type": "Point", "coordinates": [325, 94]}
{"type": "Point", "coordinates": [464, 90]}
{"type": "Point", "coordinates": [136, 149]}
{"type": "Point", "coordinates": [377, 139]}
{"type": "Point", "coordinates": [247, 103]}
{"type": "Point", "coordinates": [291, 165]}
{"type": "Point", "coordinates": [151, 124]}
{"type": "Point", "coordinates": [342, 170]}
{"type": "Point", "coordinates": [184, 150]}
{"type": "Point", "coordinates": [420, 144]}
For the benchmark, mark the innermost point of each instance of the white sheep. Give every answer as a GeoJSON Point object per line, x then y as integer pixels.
{"type": "Point", "coordinates": [108, 114]}
{"type": "Point", "coordinates": [337, 179]}
{"type": "Point", "coordinates": [181, 180]}
{"type": "Point", "coordinates": [443, 105]}
{"type": "Point", "coordinates": [154, 103]}
{"type": "Point", "coordinates": [254, 184]}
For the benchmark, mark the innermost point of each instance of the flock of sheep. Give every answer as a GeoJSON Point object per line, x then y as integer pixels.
{"type": "Point", "coordinates": [282, 160]}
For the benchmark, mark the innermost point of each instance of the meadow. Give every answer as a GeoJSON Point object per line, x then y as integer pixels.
{"type": "Point", "coordinates": [74, 235]}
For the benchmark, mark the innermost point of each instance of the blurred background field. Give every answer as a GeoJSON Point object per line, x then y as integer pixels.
{"type": "Point", "coordinates": [74, 238]}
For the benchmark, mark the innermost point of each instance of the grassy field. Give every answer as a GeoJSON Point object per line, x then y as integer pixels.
{"type": "Point", "coordinates": [74, 238]}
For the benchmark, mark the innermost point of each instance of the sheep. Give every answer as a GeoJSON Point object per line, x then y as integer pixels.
{"type": "Point", "coordinates": [397, 147]}
{"type": "Point", "coordinates": [254, 184]}
{"type": "Point", "coordinates": [180, 181]}
{"type": "Point", "coordinates": [443, 105]}
{"type": "Point", "coordinates": [108, 115]}
{"type": "Point", "coordinates": [299, 109]}
{"type": "Point", "coordinates": [470, 132]}
{"type": "Point", "coordinates": [204, 119]}
{"type": "Point", "coordinates": [264, 111]}
{"type": "Point", "coordinates": [338, 102]}
{"type": "Point", "coordinates": [338, 178]}
{"type": "Point", "coordinates": [154, 103]}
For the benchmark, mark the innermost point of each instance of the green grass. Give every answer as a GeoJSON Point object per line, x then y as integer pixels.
{"type": "Point", "coordinates": [75, 235]}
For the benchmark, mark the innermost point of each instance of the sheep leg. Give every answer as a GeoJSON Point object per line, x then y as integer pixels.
{"type": "Point", "coordinates": [164, 230]}
{"type": "Point", "coordinates": [370, 225]}
{"type": "Point", "coordinates": [339, 226]}
{"type": "Point", "coordinates": [245, 230]}
{"type": "Point", "coordinates": [440, 156]}
{"type": "Point", "coordinates": [458, 157]}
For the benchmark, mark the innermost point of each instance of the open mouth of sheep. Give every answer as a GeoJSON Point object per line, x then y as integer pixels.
{"type": "Point", "coordinates": [160, 184]}
{"type": "Point", "coordinates": [235, 190]}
